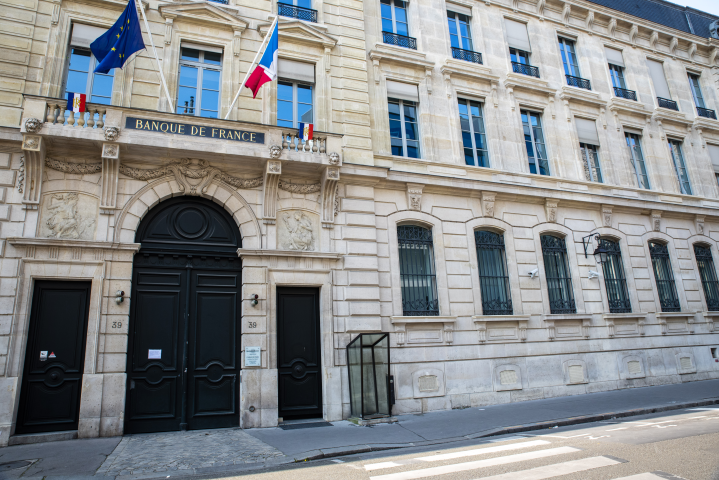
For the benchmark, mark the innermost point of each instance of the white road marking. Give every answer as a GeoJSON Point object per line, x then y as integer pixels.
{"type": "Point", "coordinates": [655, 423]}
{"type": "Point", "coordinates": [556, 470]}
{"type": "Point", "coordinates": [701, 416]}
{"type": "Point", "coordinates": [379, 466]}
{"type": "Point", "coordinates": [615, 429]}
{"type": "Point", "coordinates": [643, 476]}
{"type": "Point", "coordinates": [572, 436]}
{"type": "Point", "coordinates": [663, 426]}
{"type": "Point", "coordinates": [338, 461]}
{"type": "Point", "coordinates": [702, 409]}
{"type": "Point", "coordinates": [462, 467]}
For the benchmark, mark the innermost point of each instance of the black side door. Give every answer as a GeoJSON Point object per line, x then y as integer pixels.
{"type": "Point", "coordinates": [298, 352]}
{"type": "Point", "coordinates": [54, 357]}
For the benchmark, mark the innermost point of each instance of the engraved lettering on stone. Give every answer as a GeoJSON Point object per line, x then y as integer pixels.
{"type": "Point", "coordinates": [111, 133]}
{"type": "Point", "coordinates": [66, 218]}
{"type": "Point", "coordinates": [297, 232]}
{"type": "Point", "coordinates": [33, 125]}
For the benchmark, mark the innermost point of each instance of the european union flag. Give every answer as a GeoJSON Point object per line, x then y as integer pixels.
{"type": "Point", "coordinates": [113, 48]}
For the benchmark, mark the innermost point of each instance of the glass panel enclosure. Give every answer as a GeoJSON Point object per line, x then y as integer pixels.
{"type": "Point", "coordinates": [559, 278]}
{"type": "Point", "coordinates": [493, 276]}
{"type": "Point", "coordinates": [368, 367]}
{"type": "Point", "coordinates": [473, 137]}
{"type": "Point", "coordinates": [417, 274]}
{"type": "Point", "coordinates": [664, 277]}
{"type": "Point", "coordinates": [614, 280]}
{"type": "Point", "coordinates": [534, 141]}
{"type": "Point", "coordinates": [707, 272]}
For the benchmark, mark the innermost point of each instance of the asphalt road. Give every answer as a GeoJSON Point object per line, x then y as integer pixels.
{"type": "Point", "coordinates": [680, 445]}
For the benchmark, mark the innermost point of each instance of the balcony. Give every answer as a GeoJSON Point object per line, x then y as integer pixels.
{"type": "Point", "coordinates": [666, 103]}
{"type": "Point", "coordinates": [525, 69]}
{"type": "Point", "coordinates": [578, 82]}
{"type": "Point", "coordinates": [466, 55]}
{"type": "Point", "coordinates": [624, 93]}
{"type": "Point", "coordinates": [706, 113]}
{"type": "Point", "coordinates": [399, 40]}
{"type": "Point", "coordinates": [300, 13]}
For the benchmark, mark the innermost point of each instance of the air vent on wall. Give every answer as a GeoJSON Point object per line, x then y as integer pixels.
{"type": "Point", "coordinates": [507, 377]}
{"type": "Point", "coordinates": [634, 367]}
{"type": "Point", "coordinates": [576, 374]}
{"type": "Point", "coordinates": [685, 363]}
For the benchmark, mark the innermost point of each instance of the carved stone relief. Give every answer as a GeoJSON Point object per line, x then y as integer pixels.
{"type": "Point", "coordinates": [297, 230]}
{"type": "Point", "coordinates": [656, 220]}
{"type": "Point", "coordinates": [607, 215]}
{"type": "Point", "coordinates": [488, 204]}
{"type": "Point", "coordinates": [111, 133]}
{"type": "Point", "coordinates": [335, 158]}
{"type": "Point", "coordinates": [68, 215]}
{"type": "Point", "coordinates": [414, 196]}
{"type": "Point", "coordinates": [700, 224]}
{"type": "Point", "coordinates": [551, 208]}
{"type": "Point", "coordinates": [275, 151]}
{"type": "Point", "coordinates": [33, 125]}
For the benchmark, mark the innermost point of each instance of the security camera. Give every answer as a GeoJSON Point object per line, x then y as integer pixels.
{"type": "Point", "coordinates": [593, 274]}
{"type": "Point", "coordinates": [534, 273]}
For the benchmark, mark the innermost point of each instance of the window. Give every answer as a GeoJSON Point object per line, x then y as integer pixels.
{"type": "Point", "coordinates": [519, 48]}
{"type": "Point", "coordinates": [569, 58]}
{"type": "Point", "coordinates": [294, 104]}
{"type": "Point", "coordinates": [707, 272]}
{"type": "Point", "coordinates": [534, 141]}
{"type": "Point", "coordinates": [416, 267]}
{"type": "Point", "coordinates": [588, 141]}
{"type": "Point", "coordinates": [635, 151]}
{"type": "Point", "coordinates": [493, 276]}
{"type": "Point", "coordinates": [403, 130]}
{"type": "Point", "coordinates": [394, 17]}
{"type": "Point", "coordinates": [559, 279]}
{"type": "Point", "coordinates": [519, 56]}
{"type": "Point", "coordinates": [81, 65]}
{"type": "Point", "coordinates": [714, 156]}
{"type": "Point", "coordinates": [460, 34]}
{"type": "Point", "coordinates": [199, 87]}
{"type": "Point", "coordinates": [617, 74]}
{"type": "Point", "coordinates": [661, 88]}
{"type": "Point", "coordinates": [664, 277]}
{"type": "Point", "coordinates": [473, 137]}
{"type": "Point", "coordinates": [299, 9]}
{"type": "Point", "coordinates": [614, 281]}
{"type": "Point", "coordinates": [696, 91]}
{"type": "Point", "coordinates": [675, 148]}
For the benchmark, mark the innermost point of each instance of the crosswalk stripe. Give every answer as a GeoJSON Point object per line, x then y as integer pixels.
{"type": "Point", "coordinates": [450, 456]}
{"type": "Point", "coordinates": [489, 462]}
{"type": "Point", "coordinates": [647, 476]}
{"type": "Point", "coordinates": [556, 470]}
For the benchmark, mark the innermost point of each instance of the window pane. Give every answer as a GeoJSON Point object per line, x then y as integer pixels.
{"type": "Point", "coordinates": [395, 128]}
{"type": "Point", "coordinates": [468, 156]}
{"type": "Point", "coordinates": [409, 111]}
{"type": "Point", "coordinates": [190, 54]}
{"type": "Point", "coordinates": [213, 58]}
{"type": "Point", "coordinates": [76, 82]}
{"type": "Point", "coordinates": [284, 113]}
{"type": "Point", "coordinates": [186, 100]}
{"type": "Point", "coordinates": [397, 147]}
{"type": "Point", "coordinates": [211, 79]}
{"type": "Point", "coordinates": [101, 89]}
{"type": "Point", "coordinates": [304, 94]}
{"type": "Point", "coordinates": [304, 113]}
{"type": "Point", "coordinates": [402, 28]}
{"type": "Point", "coordinates": [387, 24]}
{"type": "Point", "coordinates": [210, 99]}
{"type": "Point", "coordinates": [412, 149]}
{"type": "Point", "coordinates": [393, 110]}
{"type": "Point", "coordinates": [80, 60]}
{"type": "Point", "coordinates": [303, 3]}
{"type": "Point", "coordinates": [188, 76]}
{"type": "Point", "coordinates": [284, 91]}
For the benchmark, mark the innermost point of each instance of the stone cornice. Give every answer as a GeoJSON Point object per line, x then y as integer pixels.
{"type": "Point", "coordinates": [515, 81]}
{"type": "Point", "coordinates": [702, 123]}
{"type": "Point", "coordinates": [300, 31]}
{"type": "Point", "coordinates": [203, 12]}
{"type": "Point", "coordinates": [402, 56]}
{"type": "Point", "coordinates": [581, 95]}
{"type": "Point", "coordinates": [477, 72]}
{"type": "Point", "coordinates": [53, 242]}
{"type": "Point", "coordinates": [247, 252]}
{"type": "Point", "coordinates": [628, 106]}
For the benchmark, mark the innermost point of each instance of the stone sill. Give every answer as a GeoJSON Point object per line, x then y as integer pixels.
{"type": "Point", "coordinates": [664, 318]}
{"type": "Point", "coordinates": [555, 321]}
{"type": "Point", "coordinates": [520, 322]}
{"type": "Point", "coordinates": [612, 319]}
{"type": "Point", "coordinates": [444, 336]}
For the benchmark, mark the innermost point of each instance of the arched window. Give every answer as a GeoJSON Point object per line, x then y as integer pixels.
{"type": "Point", "coordinates": [556, 271]}
{"type": "Point", "coordinates": [493, 277]}
{"type": "Point", "coordinates": [416, 268]}
{"type": "Point", "coordinates": [665, 278]}
{"type": "Point", "coordinates": [614, 281]}
{"type": "Point", "coordinates": [707, 272]}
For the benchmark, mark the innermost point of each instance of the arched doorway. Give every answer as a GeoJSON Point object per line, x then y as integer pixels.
{"type": "Point", "coordinates": [183, 359]}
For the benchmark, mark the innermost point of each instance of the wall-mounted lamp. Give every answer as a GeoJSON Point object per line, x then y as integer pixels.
{"type": "Point", "coordinates": [254, 299]}
{"type": "Point", "coordinates": [534, 273]}
{"type": "Point", "coordinates": [593, 274]}
{"type": "Point", "coordinates": [119, 296]}
{"type": "Point", "coordinates": [601, 254]}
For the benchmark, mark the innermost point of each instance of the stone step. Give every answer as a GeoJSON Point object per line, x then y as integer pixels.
{"type": "Point", "coordinates": [42, 437]}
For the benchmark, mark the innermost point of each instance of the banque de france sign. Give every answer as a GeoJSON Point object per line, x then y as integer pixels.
{"type": "Point", "coordinates": [193, 130]}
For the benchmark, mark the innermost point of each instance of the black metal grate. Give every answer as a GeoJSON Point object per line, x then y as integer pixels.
{"type": "Point", "coordinates": [707, 272]}
{"type": "Point", "coordinates": [525, 69]}
{"type": "Point", "coordinates": [614, 280]}
{"type": "Point", "coordinates": [664, 277]}
{"type": "Point", "coordinates": [578, 82]}
{"type": "Point", "coordinates": [493, 276]}
{"type": "Point", "coordinates": [624, 93]}
{"type": "Point", "coordinates": [558, 276]}
{"type": "Point", "coordinates": [300, 13]}
{"type": "Point", "coordinates": [399, 40]}
{"type": "Point", "coordinates": [417, 274]}
{"type": "Point", "coordinates": [706, 113]}
{"type": "Point", "coordinates": [467, 55]}
{"type": "Point", "coordinates": [666, 103]}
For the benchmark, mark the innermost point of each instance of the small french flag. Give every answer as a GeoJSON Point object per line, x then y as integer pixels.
{"type": "Point", "coordinates": [76, 102]}
{"type": "Point", "coordinates": [306, 131]}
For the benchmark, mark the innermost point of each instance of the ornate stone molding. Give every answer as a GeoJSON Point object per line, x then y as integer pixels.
{"type": "Point", "coordinates": [335, 159]}
{"type": "Point", "coordinates": [699, 221]}
{"type": "Point", "coordinates": [676, 322]}
{"type": "Point", "coordinates": [625, 324]}
{"type": "Point", "coordinates": [550, 206]}
{"type": "Point", "coordinates": [33, 125]}
{"type": "Point", "coordinates": [34, 148]}
{"type": "Point", "coordinates": [111, 133]}
{"type": "Point", "coordinates": [273, 170]}
{"type": "Point", "coordinates": [570, 326]}
{"type": "Point", "coordinates": [488, 204]}
{"type": "Point", "coordinates": [414, 196]}
{"type": "Point", "coordinates": [110, 175]}
{"type": "Point", "coordinates": [502, 328]}
{"type": "Point", "coordinates": [607, 215]}
{"type": "Point", "coordinates": [303, 188]}
{"type": "Point", "coordinates": [656, 220]}
{"type": "Point", "coordinates": [330, 177]}
{"type": "Point", "coordinates": [443, 326]}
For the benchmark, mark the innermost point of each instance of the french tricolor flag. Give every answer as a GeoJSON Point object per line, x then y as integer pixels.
{"type": "Point", "coordinates": [306, 131]}
{"type": "Point", "coordinates": [76, 102]}
{"type": "Point", "coordinates": [266, 70]}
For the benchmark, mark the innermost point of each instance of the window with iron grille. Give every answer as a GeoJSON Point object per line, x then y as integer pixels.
{"type": "Point", "coordinates": [637, 157]}
{"type": "Point", "coordinates": [614, 280]}
{"type": "Point", "coordinates": [493, 276]}
{"type": "Point", "coordinates": [534, 142]}
{"type": "Point", "coordinates": [473, 137]}
{"type": "Point", "coordinates": [394, 17]}
{"type": "Point", "coordinates": [557, 274]}
{"type": "Point", "coordinates": [707, 272]}
{"type": "Point", "coordinates": [664, 277]}
{"type": "Point", "coordinates": [416, 267]}
{"type": "Point", "coordinates": [675, 148]}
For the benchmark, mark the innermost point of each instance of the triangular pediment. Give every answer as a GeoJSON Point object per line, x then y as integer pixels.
{"type": "Point", "coordinates": [298, 31]}
{"type": "Point", "coordinates": [202, 12]}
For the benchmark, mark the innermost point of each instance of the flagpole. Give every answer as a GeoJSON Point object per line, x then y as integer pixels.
{"type": "Point", "coordinates": [249, 70]}
{"type": "Point", "coordinates": [159, 68]}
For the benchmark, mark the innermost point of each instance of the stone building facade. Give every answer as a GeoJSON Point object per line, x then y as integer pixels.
{"type": "Point", "coordinates": [453, 196]}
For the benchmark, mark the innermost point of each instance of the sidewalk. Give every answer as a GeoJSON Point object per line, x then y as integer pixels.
{"type": "Point", "coordinates": [234, 450]}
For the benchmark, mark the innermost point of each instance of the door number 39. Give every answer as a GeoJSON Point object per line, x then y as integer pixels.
{"type": "Point", "coordinates": [116, 324]}
{"type": "Point", "coordinates": [252, 324]}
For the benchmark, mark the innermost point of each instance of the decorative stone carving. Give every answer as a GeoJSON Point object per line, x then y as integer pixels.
{"type": "Point", "coordinates": [653, 39]}
{"type": "Point", "coordinates": [337, 200]}
{"type": "Point", "coordinates": [414, 196]}
{"type": "Point", "coordinates": [607, 215]}
{"type": "Point", "coordinates": [110, 175]}
{"type": "Point", "coordinates": [31, 142]}
{"type": "Point", "coordinates": [74, 168]}
{"type": "Point", "coordinates": [303, 188]}
{"type": "Point", "coordinates": [68, 215]}
{"type": "Point", "coordinates": [275, 151]}
{"type": "Point", "coordinates": [570, 326]}
{"type": "Point", "coordinates": [273, 169]}
{"type": "Point", "coordinates": [501, 328]}
{"type": "Point", "coordinates": [34, 159]}
{"type": "Point", "coordinates": [297, 230]}
{"type": "Point", "coordinates": [656, 220]}
{"type": "Point", "coordinates": [633, 33]}
{"type": "Point", "coordinates": [589, 22]}
{"type": "Point", "coordinates": [613, 27]}
{"type": "Point", "coordinates": [110, 150]}
{"type": "Point", "coordinates": [33, 125]}
{"type": "Point", "coordinates": [673, 46]}
{"type": "Point", "coordinates": [488, 204]}
{"type": "Point", "coordinates": [550, 205]}
{"type": "Point", "coordinates": [699, 219]}
{"type": "Point", "coordinates": [566, 13]}
{"type": "Point", "coordinates": [541, 4]}
{"type": "Point", "coordinates": [111, 133]}
{"type": "Point", "coordinates": [330, 177]}
{"type": "Point", "coordinates": [334, 158]}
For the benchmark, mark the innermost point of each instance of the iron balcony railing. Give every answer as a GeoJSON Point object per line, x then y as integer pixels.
{"type": "Point", "coordinates": [578, 82]}
{"type": "Point", "coordinates": [224, 2]}
{"type": "Point", "coordinates": [706, 113]}
{"type": "Point", "coordinates": [624, 93]}
{"type": "Point", "coordinates": [300, 13]}
{"type": "Point", "coordinates": [467, 55]}
{"type": "Point", "coordinates": [399, 40]}
{"type": "Point", "coordinates": [525, 69]}
{"type": "Point", "coordinates": [666, 103]}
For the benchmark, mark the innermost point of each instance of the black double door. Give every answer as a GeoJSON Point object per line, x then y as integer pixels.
{"type": "Point", "coordinates": [298, 352]}
{"type": "Point", "coordinates": [54, 357]}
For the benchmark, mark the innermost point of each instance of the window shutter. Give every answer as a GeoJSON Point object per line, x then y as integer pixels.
{"type": "Point", "coordinates": [587, 131]}
{"type": "Point", "coordinates": [614, 57]}
{"type": "Point", "coordinates": [656, 71]}
{"type": "Point", "coordinates": [517, 35]}
{"type": "Point", "coordinates": [296, 71]}
{"type": "Point", "coordinates": [714, 155]}
{"type": "Point", "coordinates": [453, 7]}
{"type": "Point", "coordinates": [402, 91]}
{"type": "Point", "coordinates": [84, 35]}
{"type": "Point", "coordinates": [205, 48]}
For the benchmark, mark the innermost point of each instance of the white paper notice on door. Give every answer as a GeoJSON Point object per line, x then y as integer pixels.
{"type": "Point", "coordinates": [154, 354]}
{"type": "Point", "coordinates": [252, 357]}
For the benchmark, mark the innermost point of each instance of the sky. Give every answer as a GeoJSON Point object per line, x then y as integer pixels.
{"type": "Point", "coordinates": [710, 6]}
